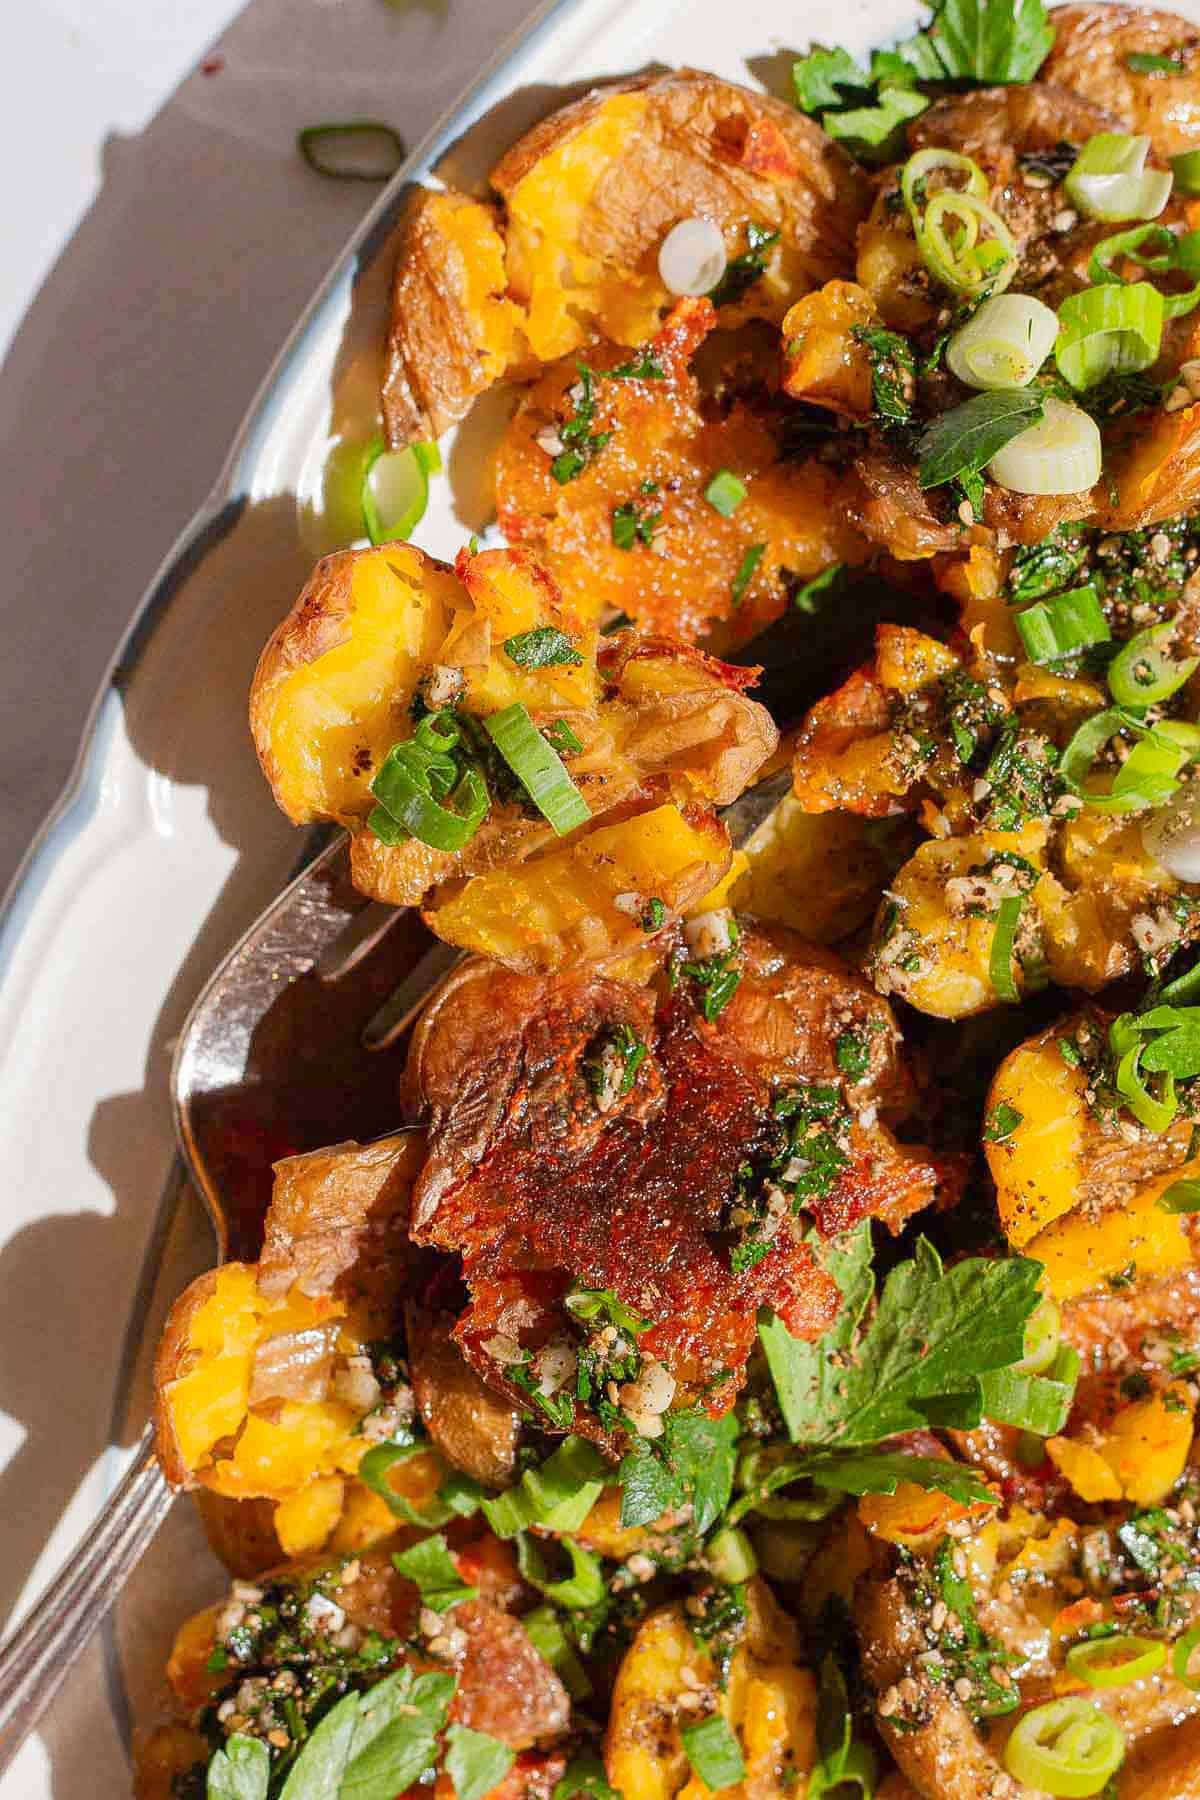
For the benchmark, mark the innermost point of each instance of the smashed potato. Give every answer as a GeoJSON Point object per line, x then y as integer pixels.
{"type": "Point", "coordinates": [667, 1680]}
{"type": "Point", "coordinates": [587, 197]}
{"type": "Point", "coordinates": [633, 528]}
{"type": "Point", "coordinates": [661, 734]}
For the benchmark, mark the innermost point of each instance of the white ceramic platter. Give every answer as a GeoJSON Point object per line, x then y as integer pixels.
{"type": "Point", "coordinates": [167, 844]}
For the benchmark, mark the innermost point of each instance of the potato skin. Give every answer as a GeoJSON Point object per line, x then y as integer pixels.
{"type": "Point", "coordinates": [703, 145]}
{"type": "Point", "coordinates": [453, 331]}
{"type": "Point", "coordinates": [475, 1428]}
{"type": "Point", "coordinates": [1091, 45]}
{"type": "Point", "coordinates": [169, 1361]}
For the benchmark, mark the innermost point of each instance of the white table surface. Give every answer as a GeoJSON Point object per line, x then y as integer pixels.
{"type": "Point", "coordinates": [161, 234]}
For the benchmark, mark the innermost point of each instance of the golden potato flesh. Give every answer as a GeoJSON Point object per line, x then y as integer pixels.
{"type": "Point", "coordinates": [656, 735]}
{"type": "Point", "coordinates": [668, 1680]}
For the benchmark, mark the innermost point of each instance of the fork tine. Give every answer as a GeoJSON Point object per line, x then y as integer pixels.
{"type": "Point", "coordinates": [357, 939]}
{"type": "Point", "coordinates": [405, 1002]}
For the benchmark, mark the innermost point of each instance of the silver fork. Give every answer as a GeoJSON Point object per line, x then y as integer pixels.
{"type": "Point", "coordinates": [295, 1042]}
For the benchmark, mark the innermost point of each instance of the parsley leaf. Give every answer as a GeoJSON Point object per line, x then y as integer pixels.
{"type": "Point", "coordinates": [395, 1739]}
{"type": "Point", "coordinates": [978, 40]}
{"type": "Point", "coordinates": [241, 1771]}
{"type": "Point", "coordinates": [880, 1472]}
{"type": "Point", "coordinates": [936, 1331]}
{"type": "Point", "coordinates": [964, 440]}
{"type": "Point", "coordinates": [893, 373]}
{"type": "Point", "coordinates": [807, 1376]}
{"type": "Point", "coordinates": [585, 1775]}
{"type": "Point", "coordinates": [745, 572]}
{"type": "Point", "coordinates": [542, 648]}
{"type": "Point", "coordinates": [431, 1567]}
{"type": "Point", "coordinates": [476, 1762]}
{"type": "Point", "coordinates": [692, 1464]}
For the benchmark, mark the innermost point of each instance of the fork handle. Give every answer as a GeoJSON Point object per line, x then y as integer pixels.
{"type": "Point", "coordinates": [41, 1652]}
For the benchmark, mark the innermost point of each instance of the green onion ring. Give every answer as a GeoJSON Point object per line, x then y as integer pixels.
{"type": "Point", "coordinates": [313, 141]}
{"type": "Point", "coordinates": [1068, 1748]}
{"type": "Point", "coordinates": [1108, 330]}
{"type": "Point", "coordinates": [409, 470]}
{"type": "Point", "coordinates": [1137, 1658]}
{"type": "Point", "coordinates": [1186, 169]}
{"type": "Point", "coordinates": [1163, 675]}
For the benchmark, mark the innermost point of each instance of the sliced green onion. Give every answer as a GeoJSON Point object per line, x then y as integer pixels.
{"type": "Point", "coordinates": [1061, 454]}
{"type": "Point", "coordinates": [545, 1633]}
{"type": "Point", "coordinates": [1167, 252]}
{"type": "Point", "coordinates": [395, 489]}
{"type": "Point", "coordinates": [1110, 180]}
{"type": "Point", "coordinates": [352, 150]}
{"type": "Point", "coordinates": [1068, 1748]}
{"type": "Point", "coordinates": [730, 1556]}
{"type": "Point", "coordinates": [1146, 62]}
{"type": "Point", "coordinates": [1186, 169]}
{"type": "Point", "coordinates": [1059, 627]}
{"type": "Point", "coordinates": [1000, 959]}
{"type": "Point", "coordinates": [1115, 1661]}
{"type": "Point", "coordinates": [1180, 1197]}
{"type": "Point", "coordinates": [925, 163]}
{"type": "Point", "coordinates": [1042, 1332]}
{"type": "Point", "coordinates": [947, 224]}
{"type": "Point", "coordinates": [745, 572]}
{"type": "Point", "coordinates": [1154, 1112]}
{"type": "Point", "coordinates": [1108, 331]}
{"type": "Point", "coordinates": [714, 1752]}
{"type": "Point", "coordinates": [1004, 343]}
{"type": "Point", "coordinates": [584, 1586]}
{"type": "Point", "coordinates": [1181, 1656]}
{"type": "Point", "coordinates": [1149, 774]}
{"type": "Point", "coordinates": [559, 1495]}
{"type": "Point", "coordinates": [538, 768]}
{"type": "Point", "coordinates": [725, 492]}
{"type": "Point", "coordinates": [1038, 1404]}
{"type": "Point", "coordinates": [1142, 674]}
{"type": "Point", "coordinates": [428, 789]}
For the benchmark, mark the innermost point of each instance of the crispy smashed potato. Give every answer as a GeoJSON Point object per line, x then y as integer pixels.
{"type": "Point", "coordinates": [1023, 1574]}
{"type": "Point", "coordinates": [246, 1380]}
{"type": "Point", "coordinates": [570, 255]}
{"type": "Point", "coordinates": [1072, 1188]}
{"type": "Point", "coordinates": [664, 735]}
{"type": "Point", "coordinates": [1090, 56]}
{"type": "Point", "coordinates": [267, 1394]}
{"type": "Point", "coordinates": [546, 1170]}
{"type": "Point", "coordinates": [667, 1680]}
{"type": "Point", "coordinates": [633, 529]}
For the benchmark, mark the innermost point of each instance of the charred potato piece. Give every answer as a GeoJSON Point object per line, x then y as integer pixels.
{"type": "Point", "coordinates": [454, 331]}
{"type": "Point", "coordinates": [667, 1680]}
{"type": "Point", "coordinates": [473, 1427]}
{"type": "Point", "coordinates": [501, 1685]}
{"type": "Point", "coordinates": [1092, 45]}
{"type": "Point", "coordinates": [1023, 1572]}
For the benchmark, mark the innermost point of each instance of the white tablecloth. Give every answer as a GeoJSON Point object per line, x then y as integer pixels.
{"type": "Point", "coordinates": [160, 235]}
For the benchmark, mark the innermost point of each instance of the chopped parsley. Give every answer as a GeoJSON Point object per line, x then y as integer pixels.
{"type": "Point", "coordinates": [973, 716]}
{"type": "Point", "coordinates": [1001, 1122]}
{"type": "Point", "coordinates": [741, 272]}
{"type": "Point", "coordinates": [717, 977]}
{"type": "Point", "coordinates": [580, 443]}
{"type": "Point", "coordinates": [852, 1053]}
{"type": "Point", "coordinates": [560, 737]}
{"type": "Point", "coordinates": [893, 373]}
{"type": "Point", "coordinates": [542, 648]}
{"type": "Point", "coordinates": [654, 915]}
{"type": "Point", "coordinates": [610, 1066]}
{"type": "Point", "coordinates": [633, 525]}
{"type": "Point", "coordinates": [645, 366]}
{"type": "Point", "coordinates": [1023, 778]}
{"type": "Point", "coordinates": [745, 572]}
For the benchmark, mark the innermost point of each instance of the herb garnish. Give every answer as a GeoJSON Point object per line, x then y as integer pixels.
{"type": "Point", "coordinates": [580, 443]}
{"type": "Point", "coordinates": [544, 647]}
{"type": "Point", "coordinates": [963, 441]}
{"type": "Point", "coordinates": [893, 373]}
{"type": "Point", "coordinates": [741, 272]}
{"type": "Point", "coordinates": [632, 525]}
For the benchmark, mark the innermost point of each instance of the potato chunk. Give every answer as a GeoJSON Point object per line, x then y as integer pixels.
{"type": "Point", "coordinates": [769, 1702]}
{"type": "Point", "coordinates": [653, 735]}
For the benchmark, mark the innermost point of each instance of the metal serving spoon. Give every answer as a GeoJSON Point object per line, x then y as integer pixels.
{"type": "Point", "coordinates": [295, 1042]}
